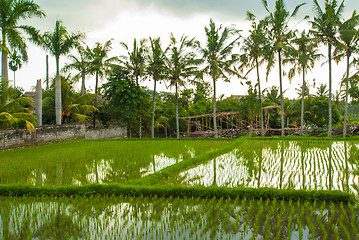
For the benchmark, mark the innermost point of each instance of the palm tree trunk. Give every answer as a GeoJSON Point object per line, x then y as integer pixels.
{"type": "Point", "coordinates": [14, 79]}
{"type": "Point", "coordinates": [330, 90]}
{"type": "Point", "coordinates": [140, 120]}
{"type": "Point", "coordinates": [214, 109]}
{"type": "Point", "coordinates": [83, 88]}
{"type": "Point", "coordinates": [346, 99]}
{"type": "Point", "coordinates": [281, 94]}
{"type": "Point", "coordinates": [57, 65]}
{"type": "Point", "coordinates": [96, 85]}
{"type": "Point", "coordinates": [4, 64]}
{"type": "Point", "coordinates": [47, 72]}
{"type": "Point", "coordinates": [260, 98]}
{"type": "Point", "coordinates": [177, 121]}
{"type": "Point", "coordinates": [140, 127]}
{"type": "Point", "coordinates": [251, 126]}
{"type": "Point", "coordinates": [153, 110]}
{"type": "Point", "coordinates": [302, 110]}
{"type": "Point", "coordinates": [94, 114]}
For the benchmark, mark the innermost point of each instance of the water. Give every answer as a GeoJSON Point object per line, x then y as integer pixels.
{"type": "Point", "coordinates": [287, 166]}
{"type": "Point", "coordinates": [120, 217]}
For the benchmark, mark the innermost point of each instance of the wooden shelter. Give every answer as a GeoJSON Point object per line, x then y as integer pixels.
{"type": "Point", "coordinates": [225, 120]}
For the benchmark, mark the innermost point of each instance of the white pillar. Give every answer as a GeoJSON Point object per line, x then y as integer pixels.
{"type": "Point", "coordinates": [38, 102]}
{"type": "Point", "coordinates": [58, 103]}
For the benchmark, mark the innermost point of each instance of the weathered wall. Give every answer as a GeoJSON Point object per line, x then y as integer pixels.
{"type": "Point", "coordinates": [11, 138]}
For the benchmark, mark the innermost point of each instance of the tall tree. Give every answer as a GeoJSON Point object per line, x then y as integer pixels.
{"type": "Point", "coordinates": [155, 69]}
{"type": "Point", "coordinates": [345, 47]}
{"type": "Point", "coordinates": [302, 57]}
{"type": "Point", "coordinates": [325, 28]}
{"type": "Point", "coordinates": [135, 64]}
{"type": "Point", "coordinates": [279, 35]}
{"type": "Point", "coordinates": [181, 64]}
{"type": "Point", "coordinates": [11, 13]}
{"type": "Point", "coordinates": [218, 57]}
{"type": "Point", "coordinates": [101, 62]}
{"type": "Point", "coordinates": [59, 42]}
{"type": "Point", "coordinates": [80, 63]}
{"type": "Point", "coordinates": [15, 62]}
{"type": "Point", "coordinates": [254, 47]}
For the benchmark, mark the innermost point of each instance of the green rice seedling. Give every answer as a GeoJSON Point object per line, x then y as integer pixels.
{"type": "Point", "coordinates": [278, 225]}
{"type": "Point", "coordinates": [257, 219]}
{"type": "Point", "coordinates": [290, 221]}
{"type": "Point", "coordinates": [248, 215]}
{"type": "Point", "coordinates": [352, 221]}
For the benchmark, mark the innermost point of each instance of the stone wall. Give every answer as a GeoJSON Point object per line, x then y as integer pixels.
{"type": "Point", "coordinates": [12, 138]}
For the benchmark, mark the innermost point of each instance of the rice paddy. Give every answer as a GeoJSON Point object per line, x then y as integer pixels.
{"type": "Point", "coordinates": [174, 218]}
{"type": "Point", "coordinates": [280, 164]}
{"type": "Point", "coordinates": [84, 162]}
{"type": "Point", "coordinates": [309, 165]}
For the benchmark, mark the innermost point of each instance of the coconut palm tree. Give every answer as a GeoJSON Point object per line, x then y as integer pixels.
{"type": "Point", "coordinates": [156, 69]}
{"type": "Point", "coordinates": [15, 62]}
{"type": "Point", "coordinates": [218, 57]}
{"type": "Point", "coordinates": [181, 64]}
{"type": "Point", "coordinates": [254, 47]}
{"type": "Point", "coordinates": [279, 36]}
{"type": "Point", "coordinates": [345, 47]}
{"type": "Point", "coordinates": [101, 63]}
{"type": "Point", "coordinates": [135, 64]}
{"type": "Point", "coordinates": [325, 28]}
{"type": "Point", "coordinates": [322, 90]}
{"type": "Point", "coordinates": [302, 57]}
{"type": "Point", "coordinates": [59, 42]}
{"type": "Point", "coordinates": [81, 64]}
{"type": "Point", "coordinates": [11, 13]}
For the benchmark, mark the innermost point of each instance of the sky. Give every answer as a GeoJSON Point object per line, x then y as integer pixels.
{"type": "Point", "coordinates": [124, 20]}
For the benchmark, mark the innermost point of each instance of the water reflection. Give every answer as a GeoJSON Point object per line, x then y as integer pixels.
{"type": "Point", "coordinates": [103, 167]}
{"type": "Point", "coordinates": [287, 164]}
{"type": "Point", "coordinates": [173, 218]}
{"type": "Point", "coordinates": [161, 161]}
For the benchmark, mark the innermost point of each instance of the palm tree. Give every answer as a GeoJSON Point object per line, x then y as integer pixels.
{"type": "Point", "coordinates": [254, 54]}
{"type": "Point", "coordinates": [279, 37]}
{"type": "Point", "coordinates": [218, 57]}
{"type": "Point", "coordinates": [13, 111]}
{"type": "Point", "coordinates": [325, 28]}
{"type": "Point", "coordinates": [135, 64]}
{"type": "Point", "coordinates": [59, 42]}
{"type": "Point", "coordinates": [11, 13]}
{"type": "Point", "coordinates": [155, 69]}
{"type": "Point", "coordinates": [303, 58]}
{"type": "Point", "coordinates": [100, 63]}
{"type": "Point", "coordinates": [322, 90]}
{"type": "Point", "coordinates": [346, 46]}
{"type": "Point", "coordinates": [15, 62]}
{"type": "Point", "coordinates": [81, 64]}
{"type": "Point", "coordinates": [180, 65]}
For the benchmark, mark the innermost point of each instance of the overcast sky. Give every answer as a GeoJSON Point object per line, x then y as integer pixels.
{"type": "Point", "coordinates": [123, 20]}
